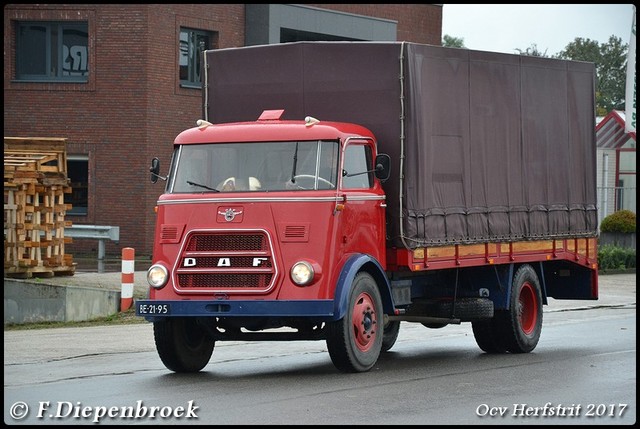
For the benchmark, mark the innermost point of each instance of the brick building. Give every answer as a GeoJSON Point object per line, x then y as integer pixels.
{"type": "Point", "coordinates": [121, 81]}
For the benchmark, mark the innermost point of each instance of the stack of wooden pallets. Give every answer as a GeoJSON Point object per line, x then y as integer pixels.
{"type": "Point", "coordinates": [35, 181]}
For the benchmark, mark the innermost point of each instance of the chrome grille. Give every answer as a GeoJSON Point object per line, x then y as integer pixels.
{"type": "Point", "coordinates": [226, 262]}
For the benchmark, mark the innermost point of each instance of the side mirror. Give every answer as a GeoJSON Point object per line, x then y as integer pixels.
{"type": "Point", "coordinates": [155, 169]}
{"type": "Point", "coordinates": [383, 167]}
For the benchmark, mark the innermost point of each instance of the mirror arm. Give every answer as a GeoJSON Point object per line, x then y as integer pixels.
{"type": "Point", "coordinates": [378, 168]}
{"type": "Point", "coordinates": [157, 175]}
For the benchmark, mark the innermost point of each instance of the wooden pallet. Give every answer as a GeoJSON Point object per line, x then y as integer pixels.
{"type": "Point", "coordinates": [35, 181]}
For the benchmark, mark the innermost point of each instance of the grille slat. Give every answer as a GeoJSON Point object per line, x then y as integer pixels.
{"type": "Point", "coordinates": [235, 242]}
{"type": "Point", "coordinates": [224, 281]}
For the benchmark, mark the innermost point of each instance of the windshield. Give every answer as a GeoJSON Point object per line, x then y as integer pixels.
{"type": "Point", "coordinates": [251, 167]}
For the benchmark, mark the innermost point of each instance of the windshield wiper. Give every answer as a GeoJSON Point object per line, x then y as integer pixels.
{"type": "Point", "coordinates": [295, 162]}
{"type": "Point", "coordinates": [201, 186]}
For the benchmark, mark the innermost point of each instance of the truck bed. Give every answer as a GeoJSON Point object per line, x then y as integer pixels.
{"type": "Point", "coordinates": [485, 147]}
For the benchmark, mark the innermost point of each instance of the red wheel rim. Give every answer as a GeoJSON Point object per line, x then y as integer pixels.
{"type": "Point", "coordinates": [365, 322]}
{"type": "Point", "coordinates": [527, 308]}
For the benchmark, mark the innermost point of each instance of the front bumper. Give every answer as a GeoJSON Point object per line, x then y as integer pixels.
{"type": "Point", "coordinates": [323, 310]}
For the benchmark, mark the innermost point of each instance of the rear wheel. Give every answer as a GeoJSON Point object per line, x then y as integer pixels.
{"type": "Point", "coordinates": [355, 341]}
{"type": "Point", "coordinates": [522, 323]}
{"type": "Point", "coordinates": [182, 344]}
{"type": "Point", "coordinates": [517, 329]}
{"type": "Point", "coordinates": [488, 336]}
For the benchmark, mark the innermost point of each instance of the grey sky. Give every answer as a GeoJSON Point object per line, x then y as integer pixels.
{"type": "Point", "coordinates": [551, 27]}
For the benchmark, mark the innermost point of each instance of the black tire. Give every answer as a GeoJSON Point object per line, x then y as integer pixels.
{"type": "Point", "coordinates": [488, 336]}
{"type": "Point", "coordinates": [522, 323]}
{"type": "Point", "coordinates": [432, 325]}
{"type": "Point", "coordinates": [355, 341]}
{"type": "Point", "coordinates": [391, 331]}
{"type": "Point", "coordinates": [182, 344]}
{"type": "Point", "coordinates": [517, 329]}
{"type": "Point", "coordinates": [466, 309]}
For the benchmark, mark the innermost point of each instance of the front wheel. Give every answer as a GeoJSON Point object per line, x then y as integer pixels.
{"type": "Point", "coordinates": [182, 344]}
{"type": "Point", "coordinates": [355, 341]}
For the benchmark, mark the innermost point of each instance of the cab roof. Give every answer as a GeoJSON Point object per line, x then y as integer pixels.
{"type": "Point", "coordinates": [269, 127]}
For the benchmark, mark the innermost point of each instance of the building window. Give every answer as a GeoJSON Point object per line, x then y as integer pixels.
{"type": "Point", "coordinates": [78, 173]}
{"type": "Point", "coordinates": [54, 51]}
{"type": "Point", "coordinates": [192, 43]}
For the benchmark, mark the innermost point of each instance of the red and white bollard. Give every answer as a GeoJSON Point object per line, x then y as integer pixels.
{"type": "Point", "coordinates": [128, 268]}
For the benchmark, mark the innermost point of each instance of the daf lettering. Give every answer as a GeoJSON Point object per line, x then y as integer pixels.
{"type": "Point", "coordinates": [223, 262]}
{"type": "Point", "coordinates": [258, 261]}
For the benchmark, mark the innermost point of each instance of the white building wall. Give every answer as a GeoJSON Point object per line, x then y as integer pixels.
{"type": "Point", "coordinates": [606, 182]}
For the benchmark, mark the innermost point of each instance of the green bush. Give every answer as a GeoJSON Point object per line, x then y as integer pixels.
{"type": "Point", "coordinates": [620, 221]}
{"type": "Point", "coordinates": [616, 258]}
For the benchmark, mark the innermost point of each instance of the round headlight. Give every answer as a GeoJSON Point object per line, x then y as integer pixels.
{"type": "Point", "coordinates": [302, 273]}
{"type": "Point", "coordinates": [157, 276]}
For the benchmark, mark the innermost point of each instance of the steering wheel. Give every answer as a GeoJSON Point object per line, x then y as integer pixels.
{"type": "Point", "coordinates": [310, 176]}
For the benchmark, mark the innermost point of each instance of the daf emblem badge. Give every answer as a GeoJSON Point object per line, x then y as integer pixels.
{"type": "Point", "coordinates": [230, 214]}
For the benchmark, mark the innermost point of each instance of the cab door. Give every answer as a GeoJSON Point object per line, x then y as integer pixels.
{"type": "Point", "coordinates": [362, 225]}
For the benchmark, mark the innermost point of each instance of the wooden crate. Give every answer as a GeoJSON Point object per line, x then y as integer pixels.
{"type": "Point", "coordinates": [35, 181]}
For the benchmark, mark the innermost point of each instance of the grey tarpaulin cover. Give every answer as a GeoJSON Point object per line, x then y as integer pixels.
{"type": "Point", "coordinates": [484, 146]}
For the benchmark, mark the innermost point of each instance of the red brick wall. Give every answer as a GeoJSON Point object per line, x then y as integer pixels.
{"type": "Point", "coordinates": [132, 107]}
{"type": "Point", "coordinates": [129, 111]}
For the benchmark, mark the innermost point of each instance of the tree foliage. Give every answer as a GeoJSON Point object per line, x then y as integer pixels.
{"type": "Point", "coordinates": [610, 60]}
{"type": "Point", "coordinates": [532, 51]}
{"type": "Point", "coordinates": [611, 65]}
{"type": "Point", "coordinates": [452, 42]}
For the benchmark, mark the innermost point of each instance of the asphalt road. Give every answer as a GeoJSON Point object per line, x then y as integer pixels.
{"type": "Point", "coordinates": [586, 359]}
{"type": "Point", "coordinates": [26, 346]}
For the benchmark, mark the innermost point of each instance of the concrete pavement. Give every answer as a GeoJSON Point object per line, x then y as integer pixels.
{"type": "Point", "coordinates": [89, 295]}
{"type": "Point", "coordinates": [80, 297]}
{"type": "Point", "coordinates": [105, 281]}
{"type": "Point", "coordinates": [614, 288]}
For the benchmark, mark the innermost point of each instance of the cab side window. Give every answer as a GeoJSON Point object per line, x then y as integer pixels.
{"type": "Point", "coordinates": [357, 161]}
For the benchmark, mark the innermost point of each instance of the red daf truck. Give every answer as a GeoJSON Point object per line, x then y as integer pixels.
{"type": "Point", "coordinates": [336, 189]}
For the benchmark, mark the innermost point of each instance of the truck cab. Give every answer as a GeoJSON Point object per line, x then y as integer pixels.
{"type": "Point", "coordinates": [259, 226]}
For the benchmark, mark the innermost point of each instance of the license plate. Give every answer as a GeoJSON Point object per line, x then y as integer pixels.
{"type": "Point", "coordinates": [155, 309]}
